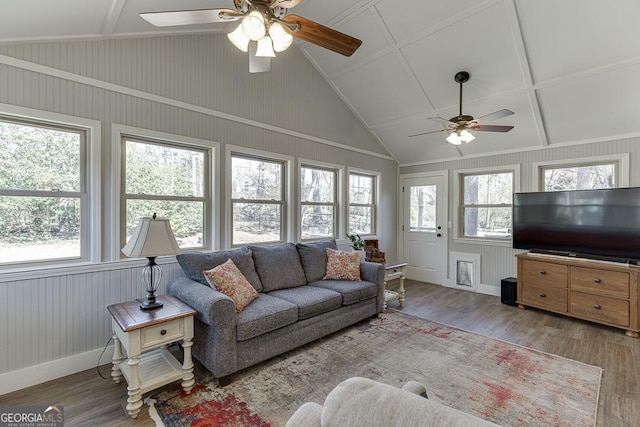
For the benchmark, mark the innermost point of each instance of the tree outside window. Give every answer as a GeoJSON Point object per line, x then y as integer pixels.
{"type": "Point", "coordinates": [318, 195]}
{"type": "Point", "coordinates": [486, 206]}
{"type": "Point", "coordinates": [362, 204]}
{"type": "Point", "coordinates": [170, 181]}
{"type": "Point", "coordinates": [579, 177]}
{"type": "Point", "coordinates": [257, 198]}
{"type": "Point", "coordinates": [43, 197]}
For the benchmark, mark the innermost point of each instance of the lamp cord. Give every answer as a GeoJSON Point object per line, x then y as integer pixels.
{"type": "Point", "coordinates": [100, 357]}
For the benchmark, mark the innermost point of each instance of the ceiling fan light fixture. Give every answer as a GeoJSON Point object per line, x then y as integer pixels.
{"type": "Point", "coordinates": [254, 26]}
{"type": "Point", "coordinates": [281, 39]}
{"type": "Point", "coordinates": [454, 138]}
{"type": "Point", "coordinates": [466, 136]}
{"type": "Point", "coordinates": [265, 48]}
{"type": "Point", "coordinates": [239, 38]}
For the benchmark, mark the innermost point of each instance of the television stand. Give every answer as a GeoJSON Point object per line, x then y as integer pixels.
{"type": "Point", "coordinates": [601, 292]}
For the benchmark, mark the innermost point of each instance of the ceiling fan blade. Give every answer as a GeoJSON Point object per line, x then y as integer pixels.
{"type": "Point", "coordinates": [190, 17]}
{"type": "Point", "coordinates": [322, 36]}
{"type": "Point", "coordinates": [495, 115]}
{"type": "Point", "coordinates": [426, 133]}
{"type": "Point", "coordinates": [493, 128]}
{"type": "Point", "coordinates": [286, 4]}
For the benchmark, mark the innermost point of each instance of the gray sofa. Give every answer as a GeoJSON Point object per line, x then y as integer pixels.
{"type": "Point", "coordinates": [295, 305]}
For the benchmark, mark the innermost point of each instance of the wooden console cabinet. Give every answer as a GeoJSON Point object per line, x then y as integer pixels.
{"type": "Point", "coordinates": [602, 292]}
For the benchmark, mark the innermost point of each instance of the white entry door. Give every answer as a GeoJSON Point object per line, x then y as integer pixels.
{"type": "Point", "coordinates": [424, 228]}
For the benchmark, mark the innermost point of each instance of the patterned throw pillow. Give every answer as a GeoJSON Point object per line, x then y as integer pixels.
{"type": "Point", "coordinates": [226, 278]}
{"type": "Point", "coordinates": [342, 265]}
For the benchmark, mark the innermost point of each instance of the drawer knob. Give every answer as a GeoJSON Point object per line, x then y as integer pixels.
{"type": "Point", "coordinates": [597, 306]}
{"type": "Point", "coordinates": [596, 280]}
{"type": "Point", "coordinates": [543, 295]}
{"type": "Point", "coordinates": [163, 332]}
{"type": "Point", "coordinates": [543, 272]}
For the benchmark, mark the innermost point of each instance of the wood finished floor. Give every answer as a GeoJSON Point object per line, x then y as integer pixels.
{"type": "Point", "coordinates": [91, 401]}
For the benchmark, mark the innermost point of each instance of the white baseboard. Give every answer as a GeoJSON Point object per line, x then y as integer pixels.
{"type": "Point", "coordinates": [481, 289]}
{"type": "Point", "coordinates": [38, 374]}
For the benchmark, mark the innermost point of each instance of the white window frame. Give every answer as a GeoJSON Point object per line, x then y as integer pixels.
{"type": "Point", "coordinates": [621, 162]}
{"type": "Point", "coordinates": [90, 219]}
{"type": "Point", "coordinates": [339, 223]}
{"type": "Point", "coordinates": [376, 199]}
{"type": "Point", "coordinates": [458, 199]}
{"type": "Point", "coordinates": [286, 225]}
{"type": "Point", "coordinates": [211, 220]}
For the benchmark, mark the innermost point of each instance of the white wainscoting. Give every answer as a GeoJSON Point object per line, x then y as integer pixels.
{"type": "Point", "coordinates": [57, 325]}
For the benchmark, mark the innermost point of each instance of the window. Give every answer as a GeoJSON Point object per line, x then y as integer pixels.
{"type": "Point", "coordinates": [362, 203]}
{"type": "Point", "coordinates": [579, 176]}
{"type": "Point", "coordinates": [170, 180]}
{"type": "Point", "coordinates": [318, 202]}
{"type": "Point", "coordinates": [257, 200]}
{"type": "Point", "coordinates": [43, 192]}
{"type": "Point", "coordinates": [485, 209]}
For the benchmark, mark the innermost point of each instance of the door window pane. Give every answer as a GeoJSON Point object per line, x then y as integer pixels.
{"type": "Point", "coordinates": [422, 208]}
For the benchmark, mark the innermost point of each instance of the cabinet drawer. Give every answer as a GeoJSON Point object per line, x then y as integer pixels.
{"type": "Point", "coordinates": [544, 273]}
{"type": "Point", "coordinates": [600, 308]}
{"type": "Point", "coordinates": [601, 282]}
{"type": "Point", "coordinates": [546, 297]}
{"type": "Point", "coordinates": [162, 333]}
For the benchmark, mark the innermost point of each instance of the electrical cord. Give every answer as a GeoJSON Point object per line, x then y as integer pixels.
{"type": "Point", "coordinates": [100, 357]}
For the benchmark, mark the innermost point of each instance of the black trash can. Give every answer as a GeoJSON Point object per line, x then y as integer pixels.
{"type": "Point", "coordinates": [509, 291]}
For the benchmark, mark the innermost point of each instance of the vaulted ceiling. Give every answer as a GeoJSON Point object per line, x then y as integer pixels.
{"type": "Point", "coordinates": [568, 69]}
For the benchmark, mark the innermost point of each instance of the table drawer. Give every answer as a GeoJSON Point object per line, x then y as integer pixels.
{"type": "Point", "coordinates": [547, 297]}
{"type": "Point", "coordinates": [544, 273]}
{"type": "Point", "coordinates": [161, 333]}
{"type": "Point", "coordinates": [600, 308]}
{"type": "Point", "coordinates": [601, 282]}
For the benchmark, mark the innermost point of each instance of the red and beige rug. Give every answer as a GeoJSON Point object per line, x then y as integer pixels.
{"type": "Point", "coordinates": [501, 382]}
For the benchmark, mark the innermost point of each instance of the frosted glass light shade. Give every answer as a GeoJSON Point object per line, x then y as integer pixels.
{"type": "Point", "coordinates": [454, 139]}
{"type": "Point", "coordinates": [265, 48]}
{"type": "Point", "coordinates": [281, 39]}
{"type": "Point", "coordinates": [253, 25]}
{"type": "Point", "coordinates": [239, 38]}
{"type": "Point", "coordinates": [466, 136]}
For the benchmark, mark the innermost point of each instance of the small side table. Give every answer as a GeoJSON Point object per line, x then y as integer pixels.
{"type": "Point", "coordinates": [145, 336]}
{"type": "Point", "coordinates": [394, 270]}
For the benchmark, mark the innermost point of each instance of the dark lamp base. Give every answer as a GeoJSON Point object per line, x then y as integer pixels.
{"type": "Point", "coordinates": [150, 305]}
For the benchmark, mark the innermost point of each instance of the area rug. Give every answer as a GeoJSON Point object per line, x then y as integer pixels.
{"type": "Point", "coordinates": [504, 383]}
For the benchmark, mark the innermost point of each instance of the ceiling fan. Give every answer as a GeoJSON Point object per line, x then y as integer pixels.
{"type": "Point", "coordinates": [460, 126]}
{"type": "Point", "coordinates": [266, 27]}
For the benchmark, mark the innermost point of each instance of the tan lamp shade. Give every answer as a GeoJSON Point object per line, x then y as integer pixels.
{"type": "Point", "coordinates": [153, 237]}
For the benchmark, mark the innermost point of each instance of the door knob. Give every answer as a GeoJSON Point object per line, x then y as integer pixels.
{"type": "Point", "coordinates": [438, 235]}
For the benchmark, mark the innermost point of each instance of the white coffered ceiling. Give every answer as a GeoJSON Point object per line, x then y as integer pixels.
{"type": "Point", "coordinates": [566, 68]}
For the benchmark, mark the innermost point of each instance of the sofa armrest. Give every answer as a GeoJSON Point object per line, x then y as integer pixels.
{"type": "Point", "coordinates": [308, 415]}
{"type": "Point", "coordinates": [374, 272]}
{"type": "Point", "coordinates": [415, 388]}
{"type": "Point", "coordinates": [213, 308]}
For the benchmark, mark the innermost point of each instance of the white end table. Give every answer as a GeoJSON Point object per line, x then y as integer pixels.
{"type": "Point", "coordinates": [394, 270]}
{"type": "Point", "coordinates": [145, 335]}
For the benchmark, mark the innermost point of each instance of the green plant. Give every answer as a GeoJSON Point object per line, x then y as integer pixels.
{"type": "Point", "coordinates": [356, 241]}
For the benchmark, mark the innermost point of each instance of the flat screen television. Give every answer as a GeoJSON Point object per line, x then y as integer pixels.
{"type": "Point", "coordinates": [602, 224]}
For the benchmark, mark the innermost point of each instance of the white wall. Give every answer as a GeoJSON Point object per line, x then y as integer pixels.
{"type": "Point", "coordinates": [499, 262]}
{"type": "Point", "coordinates": [55, 322]}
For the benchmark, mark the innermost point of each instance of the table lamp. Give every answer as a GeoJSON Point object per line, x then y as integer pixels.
{"type": "Point", "coordinates": [152, 238]}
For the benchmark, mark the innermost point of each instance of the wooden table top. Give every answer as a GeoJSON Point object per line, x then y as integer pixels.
{"type": "Point", "coordinates": [130, 316]}
{"type": "Point", "coordinates": [394, 264]}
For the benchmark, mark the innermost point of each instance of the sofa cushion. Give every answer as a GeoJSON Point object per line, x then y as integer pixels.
{"type": "Point", "coordinates": [226, 278]}
{"type": "Point", "coordinates": [311, 301]}
{"type": "Point", "coordinates": [342, 265]}
{"type": "Point", "coordinates": [278, 266]}
{"type": "Point", "coordinates": [352, 292]}
{"type": "Point", "coordinates": [313, 257]}
{"type": "Point", "coordinates": [263, 315]}
{"type": "Point", "coordinates": [194, 263]}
